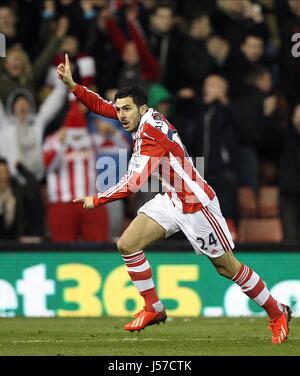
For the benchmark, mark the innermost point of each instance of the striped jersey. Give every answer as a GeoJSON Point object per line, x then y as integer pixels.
{"type": "Point", "coordinates": [157, 149]}
{"type": "Point", "coordinates": [71, 167]}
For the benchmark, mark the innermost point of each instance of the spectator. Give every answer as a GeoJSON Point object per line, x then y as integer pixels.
{"type": "Point", "coordinates": [70, 159]}
{"type": "Point", "coordinates": [140, 66]}
{"type": "Point", "coordinates": [216, 142]}
{"type": "Point", "coordinates": [21, 208]}
{"type": "Point", "coordinates": [201, 53]}
{"type": "Point", "coordinates": [289, 180]}
{"type": "Point", "coordinates": [80, 13]}
{"type": "Point", "coordinates": [83, 65]}
{"type": "Point", "coordinates": [233, 19]}
{"type": "Point", "coordinates": [251, 121]}
{"type": "Point", "coordinates": [165, 42]}
{"type": "Point", "coordinates": [28, 14]}
{"type": "Point", "coordinates": [10, 205]}
{"type": "Point", "coordinates": [8, 26]}
{"type": "Point", "coordinates": [242, 63]}
{"type": "Point", "coordinates": [16, 70]}
{"type": "Point", "coordinates": [33, 213]}
{"type": "Point", "coordinates": [22, 128]}
{"type": "Point", "coordinates": [262, 114]}
{"type": "Point", "coordinates": [275, 114]}
{"type": "Point", "coordinates": [107, 58]}
{"type": "Point", "coordinates": [161, 99]}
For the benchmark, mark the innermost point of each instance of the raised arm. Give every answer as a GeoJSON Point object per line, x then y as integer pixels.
{"type": "Point", "coordinates": [2, 115]}
{"type": "Point", "coordinates": [51, 106]}
{"type": "Point", "coordinates": [87, 97]}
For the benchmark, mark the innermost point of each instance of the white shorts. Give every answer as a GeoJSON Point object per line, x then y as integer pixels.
{"type": "Point", "coordinates": [206, 229]}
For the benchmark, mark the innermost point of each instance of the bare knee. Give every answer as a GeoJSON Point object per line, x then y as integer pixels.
{"type": "Point", "coordinates": [124, 247]}
{"type": "Point", "coordinates": [225, 272]}
{"type": "Point", "coordinates": [227, 265]}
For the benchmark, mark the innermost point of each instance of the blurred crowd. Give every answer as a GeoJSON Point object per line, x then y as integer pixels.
{"type": "Point", "coordinates": [222, 71]}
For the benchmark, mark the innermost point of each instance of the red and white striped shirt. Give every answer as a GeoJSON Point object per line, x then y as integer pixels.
{"type": "Point", "coordinates": [71, 172]}
{"type": "Point", "coordinates": [156, 143]}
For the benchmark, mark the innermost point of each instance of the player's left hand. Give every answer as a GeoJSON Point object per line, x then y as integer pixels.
{"type": "Point", "coordinates": [88, 202]}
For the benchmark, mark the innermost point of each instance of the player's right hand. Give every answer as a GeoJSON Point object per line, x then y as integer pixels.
{"type": "Point", "coordinates": [88, 202]}
{"type": "Point", "coordinates": [64, 73]}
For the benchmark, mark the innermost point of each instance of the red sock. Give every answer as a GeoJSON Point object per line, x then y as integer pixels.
{"type": "Point", "coordinates": [273, 308]}
{"type": "Point", "coordinates": [140, 273]}
{"type": "Point", "coordinates": [253, 286]}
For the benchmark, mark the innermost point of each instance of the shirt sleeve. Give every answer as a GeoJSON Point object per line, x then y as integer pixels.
{"type": "Point", "coordinates": [141, 166]}
{"type": "Point", "coordinates": [52, 151]}
{"type": "Point", "coordinates": [94, 102]}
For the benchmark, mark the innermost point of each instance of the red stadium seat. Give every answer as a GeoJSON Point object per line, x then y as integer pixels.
{"type": "Point", "coordinates": [268, 202]}
{"type": "Point", "coordinates": [253, 230]}
{"type": "Point", "coordinates": [247, 202]}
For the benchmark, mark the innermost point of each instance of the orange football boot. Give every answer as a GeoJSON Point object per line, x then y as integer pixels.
{"type": "Point", "coordinates": [280, 326]}
{"type": "Point", "coordinates": [145, 318]}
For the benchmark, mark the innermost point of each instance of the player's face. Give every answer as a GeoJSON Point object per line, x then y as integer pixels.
{"type": "Point", "coordinates": [129, 114]}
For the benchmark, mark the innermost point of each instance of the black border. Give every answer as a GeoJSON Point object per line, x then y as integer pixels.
{"type": "Point", "coordinates": [99, 364]}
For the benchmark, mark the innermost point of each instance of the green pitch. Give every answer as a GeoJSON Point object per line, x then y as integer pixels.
{"type": "Point", "coordinates": [105, 336]}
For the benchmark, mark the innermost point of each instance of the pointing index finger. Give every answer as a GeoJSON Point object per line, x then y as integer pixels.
{"type": "Point", "coordinates": [67, 62]}
{"type": "Point", "coordinates": [81, 199]}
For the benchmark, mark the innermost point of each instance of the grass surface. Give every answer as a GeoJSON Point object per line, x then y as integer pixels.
{"type": "Point", "coordinates": [105, 336]}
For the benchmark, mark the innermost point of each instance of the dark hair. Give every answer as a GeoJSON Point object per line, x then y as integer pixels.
{"type": "Point", "coordinates": [138, 96]}
{"type": "Point", "coordinates": [18, 96]}
{"type": "Point", "coordinates": [252, 34]}
{"type": "Point", "coordinates": [164, 4]}
{"type": "Point", "coordinates": [256, 73]}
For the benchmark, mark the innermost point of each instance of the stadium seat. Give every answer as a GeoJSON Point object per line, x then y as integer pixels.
{"type": "Point", "coordinates": [247, 202]}
{"type": "Point", "coordinates": [268, 201]}
{"type": "Point", "coordinates": [258, 230]}
{"type": "Point", "coordinates": [268, 172]}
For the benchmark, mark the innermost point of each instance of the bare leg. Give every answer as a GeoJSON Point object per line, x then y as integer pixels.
{"type": "Point", "coordinates": [141, 232]}
{"type": "Point", "coordinates": [227, 265]}
{"type": "Point", "coordinates": [250, 282]}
